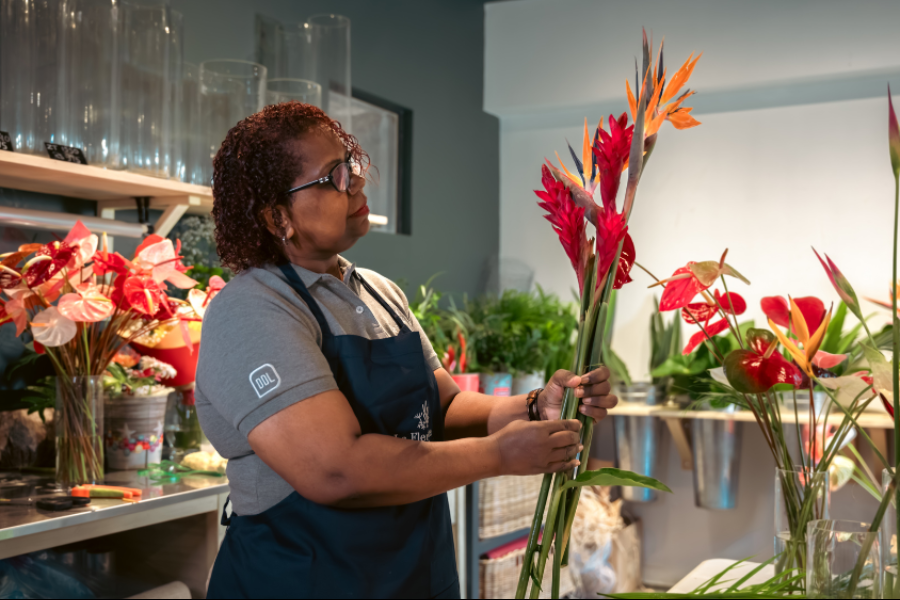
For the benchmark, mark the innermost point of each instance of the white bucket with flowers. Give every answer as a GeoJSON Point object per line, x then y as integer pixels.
{"type": "Point", "coordinates": [135, 409]}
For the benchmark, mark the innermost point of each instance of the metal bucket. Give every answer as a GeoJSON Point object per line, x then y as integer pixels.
{"type": "Point", "coordinates": [637, 438]}
{"type": "Point", "coordinates": [717, 454]}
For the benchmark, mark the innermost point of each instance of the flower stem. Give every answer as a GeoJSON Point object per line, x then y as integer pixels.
{"type": "Point", "coordinates": [895, 358]}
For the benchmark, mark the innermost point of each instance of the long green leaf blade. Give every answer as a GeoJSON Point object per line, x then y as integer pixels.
{"type": "Point", "coordinates": [611, 477]}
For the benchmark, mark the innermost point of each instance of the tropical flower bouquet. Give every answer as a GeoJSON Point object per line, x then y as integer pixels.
{"type": "Point", "coordinates": [81, 304]}
{"type": "Point", "coordinates": [130, 374]}
{"type": "Point", "coordinates": [805, 349]}
{"type": "Point", "coordinates": [600, 266]}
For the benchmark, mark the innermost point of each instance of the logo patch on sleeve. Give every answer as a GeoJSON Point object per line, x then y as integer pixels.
{"type": "Point", "coordinates": [265, 380]}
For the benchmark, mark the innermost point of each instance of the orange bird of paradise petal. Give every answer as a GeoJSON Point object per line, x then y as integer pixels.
{"type": "Point", "coordinates": [664, 105]}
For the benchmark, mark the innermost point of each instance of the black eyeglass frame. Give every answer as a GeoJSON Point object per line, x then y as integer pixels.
{"type": "Point", "coordinates": [327, 179]}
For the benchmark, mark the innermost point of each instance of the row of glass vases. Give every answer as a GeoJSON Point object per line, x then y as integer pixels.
{"type": "Point", "coordinates": [110, 78]}
{"type": "Point", "coordinates": [830, 558]}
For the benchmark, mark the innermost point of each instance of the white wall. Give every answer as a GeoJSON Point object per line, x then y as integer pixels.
{"type": "Point", "coordinates": [792, 153]}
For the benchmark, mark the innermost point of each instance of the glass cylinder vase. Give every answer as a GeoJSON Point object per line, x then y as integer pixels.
{"type": "Point", "coordinates": [301, 90]}
{"type": "Point", "coordinates": [17, 39]}
{"type": "Point", "coordinates": [802, 495]}
{"type": "Point", "coordinates": [330, 39]}
{"type": "Point", "coordinates": [152, 58]}
{"type": "Point", "coordinates": [188, 138]}
{"type": "Point", "coordinates": [843, 560]}
{"type": "Point", "coordinates": [90, 42]}
{"type": "Point", "coordinates": [891, 585]}
{"type": "Point", "coordinates": [230, 90]}
{"type": "Point", "coordinates": [79, 430]}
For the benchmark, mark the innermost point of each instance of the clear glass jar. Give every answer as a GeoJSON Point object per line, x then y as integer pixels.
{"type": "Point", "coordinates": [843, 560]}
{"type": "Point", "coordinates": [188, 138]}
{"type": "Point", "coordinates": [152, 59]}
{"type": "Point", "coordinates": [78, 420]}
{"type": "Point", "coordinates": [230, 90]}
{"type": "Point", "coordinates": [889, 542]}
{"type": "Point", "coordinates": [802, 495]}
{"type": "Point", "coordinates": [17, 38]}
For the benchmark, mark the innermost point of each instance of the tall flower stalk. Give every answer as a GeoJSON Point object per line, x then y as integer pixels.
{"type": "Point", "coordinates": [601, 266]}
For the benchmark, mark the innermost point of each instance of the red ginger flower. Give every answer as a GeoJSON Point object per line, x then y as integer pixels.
{"type": "Point", "coordinates": [567, 220]}
{"type": "Point", "coordinates": [611, 152]}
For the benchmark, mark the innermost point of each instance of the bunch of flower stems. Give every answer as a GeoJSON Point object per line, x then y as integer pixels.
{"type": "Point", "coordinates": [563, 504]}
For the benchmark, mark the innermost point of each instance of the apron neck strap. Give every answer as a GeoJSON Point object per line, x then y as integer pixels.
{"type": "Point", "coordinates": [384, 304]}
{"type": "Point", "coordinates": [301, 289]}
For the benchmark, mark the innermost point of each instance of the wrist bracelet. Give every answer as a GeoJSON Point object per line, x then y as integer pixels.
{"type": "Point", "coordinates": [531, 403]}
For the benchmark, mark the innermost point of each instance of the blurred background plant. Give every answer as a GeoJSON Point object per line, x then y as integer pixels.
{"type": "Point", "coordinates": [198, 247]}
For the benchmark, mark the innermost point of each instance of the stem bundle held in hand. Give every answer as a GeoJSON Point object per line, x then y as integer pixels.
{"type": "Point", "coordinates": [569, 200]}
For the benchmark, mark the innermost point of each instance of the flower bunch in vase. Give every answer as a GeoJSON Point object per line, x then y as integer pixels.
{"type": "Point", "coordinates": [805, 349]}
{"type": "Point", "coordinates": [601, 265]}
{"type": "Point", "coordinates": [81, 303]}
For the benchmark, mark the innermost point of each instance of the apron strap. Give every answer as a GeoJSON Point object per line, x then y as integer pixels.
{"type": "Point", "coordinates": [300, 288]}
{"type": "Point", "coordinates": [384, 304]}
{"type": "Point", "coordinates": [226, 520]}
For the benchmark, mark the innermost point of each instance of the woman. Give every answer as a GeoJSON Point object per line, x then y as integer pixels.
{"type": "Point", "coordinates": [315, 380]}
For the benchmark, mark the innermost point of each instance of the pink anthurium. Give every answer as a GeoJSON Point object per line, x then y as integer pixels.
{"type": "Point", "coordinates": [88, 306]}
{"type": "Point", "coordinates": [160, 258]}
{"type": "Point", "coordinates": [849, 388]}
{"type": "Point", "coordinates": [757, 367]}
{"type": "Point", "coordinates": [51, 329]}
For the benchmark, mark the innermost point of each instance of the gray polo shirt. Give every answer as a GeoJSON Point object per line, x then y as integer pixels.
{"type": "Point", "coordinates": [262, 352]}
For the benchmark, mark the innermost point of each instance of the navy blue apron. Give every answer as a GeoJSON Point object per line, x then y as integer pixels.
{"type": "Point", "coordinates": [300, 549]}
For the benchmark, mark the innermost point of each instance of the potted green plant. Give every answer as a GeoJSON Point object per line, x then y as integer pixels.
{"type": "Point", "coordinates": [135, 409]}
{"type": "Point", "coordinates": [518, 339]}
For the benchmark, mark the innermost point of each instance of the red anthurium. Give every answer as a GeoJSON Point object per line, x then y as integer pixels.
{"type": "Point", "coordinates": [681, 288]}
{"type": "Point", "coordinates": [699, 337]}
{"type": "Point", "coordinates": [49, 260]}
{"type": "Point", "coordinates": [732, 303]}
{"type": "Point", "coordinates": [755, 369]}
{"type": "Point", "coordinates": [9, 278]}
{"type": "Point", "coordinates": [147, 242]}
{"type": "Point", "coordinates": [778, 309]}
{"type": "Point", "coordinates": [143, 294]}
{"type": "Point", "coordinates": [698, 312]}
{"type": "Point", "coordinates": [567, 220]}
{"type": "Point", "coordinates": [110, 262]}
{"type": "Point", "coordinates": [626, 263]}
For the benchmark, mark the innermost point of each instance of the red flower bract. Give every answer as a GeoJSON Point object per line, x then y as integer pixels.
{"type": "Point", "coordinates": [109, 262]}
{"type": "Point", "coordinates": [567, 220]}
{"type": "Point", "coordinates": [626, 262]}
{"type": "Point", "coordinates": [611, 152]}
{"type": "Point", "coordinates": [778, 309]}
{"type": "Point", "coordinates": [679, 292]}
{"type": "Point", "coordinates": [49, 260]}
{"type": "Point", "coordinates": [143, 294]}
{"type": "Point", "coordinates": [611, 231]}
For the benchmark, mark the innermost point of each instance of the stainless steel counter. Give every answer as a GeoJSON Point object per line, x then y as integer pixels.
{"type": "Point", "coordinates": [27, 529]}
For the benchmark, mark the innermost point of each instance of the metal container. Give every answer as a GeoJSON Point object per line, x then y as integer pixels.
{"type": "Point", "coordinates": [523, 384]}
{"type": "Point", "coordinates": [717, 454]}
{"type": "Point", "coordinates": [637, 438]}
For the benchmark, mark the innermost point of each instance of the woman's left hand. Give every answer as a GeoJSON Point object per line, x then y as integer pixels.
{"type": "Point", "coordinates": [593, 389]}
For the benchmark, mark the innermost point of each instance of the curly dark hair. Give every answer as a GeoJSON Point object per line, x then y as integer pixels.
{"type": "Point", "coordinates": [251, 172]}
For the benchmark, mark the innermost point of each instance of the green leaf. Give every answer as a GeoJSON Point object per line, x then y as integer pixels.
{"type": "Point", "coordinates": [617, 367]}
{"type": "Point", "coordinates": [610, 477]}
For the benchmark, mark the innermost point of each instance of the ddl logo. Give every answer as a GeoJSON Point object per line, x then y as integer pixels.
{"type": "Point", "coordinates": [265, 380]}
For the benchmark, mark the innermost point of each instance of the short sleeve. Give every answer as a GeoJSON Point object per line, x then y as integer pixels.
{"type": "Point", "coordinates": [259, 355]}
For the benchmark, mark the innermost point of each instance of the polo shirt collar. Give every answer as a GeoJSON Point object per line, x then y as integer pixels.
{"type": "Point", "coordinates": [309, 278]}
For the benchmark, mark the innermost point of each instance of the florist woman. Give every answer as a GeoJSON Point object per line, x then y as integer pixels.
{"type": "Point", "coordinates": [342, 429]}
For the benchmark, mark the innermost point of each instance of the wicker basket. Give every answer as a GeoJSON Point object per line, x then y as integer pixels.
{"type": "Point", "coordinates": [506, 504]}
{"type": "Point", "coordinates": [499, 575]}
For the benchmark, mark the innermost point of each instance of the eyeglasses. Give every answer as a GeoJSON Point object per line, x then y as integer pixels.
{"type": "Point", "coordinates": [340, 178]}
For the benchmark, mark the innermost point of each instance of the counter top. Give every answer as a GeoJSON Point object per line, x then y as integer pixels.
{"type": "Point", "coordinates": [25, 528]}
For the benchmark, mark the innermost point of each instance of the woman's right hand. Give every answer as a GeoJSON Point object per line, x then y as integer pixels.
{"type": "Point", "coordinates": [530, 448]}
